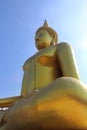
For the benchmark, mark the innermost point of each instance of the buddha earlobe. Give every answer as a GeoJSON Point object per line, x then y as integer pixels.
{"type": "Point", "coordinates": [52, 41]}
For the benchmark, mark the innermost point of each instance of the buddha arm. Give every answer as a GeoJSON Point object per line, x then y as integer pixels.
{"type": "Point", "coordinates": [7, 102]}
{"type": "Point", "coordinates": [67, 60]}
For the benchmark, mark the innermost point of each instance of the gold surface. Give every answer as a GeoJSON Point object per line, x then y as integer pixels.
{"type": "Point", "coordinates": [52, 95]}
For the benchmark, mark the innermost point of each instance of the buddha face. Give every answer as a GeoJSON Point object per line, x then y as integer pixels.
{"type": "Point", "coordinates": [42, 39]}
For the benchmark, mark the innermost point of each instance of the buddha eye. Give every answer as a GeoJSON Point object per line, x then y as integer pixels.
{"type": "Point", "coordinates": [40, 34]}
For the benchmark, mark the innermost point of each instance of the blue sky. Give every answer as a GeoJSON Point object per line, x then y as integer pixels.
{"type": "Point", "coordinates": [19, 19]}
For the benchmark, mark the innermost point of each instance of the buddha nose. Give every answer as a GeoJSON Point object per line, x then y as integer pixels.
{"type": "Point", "coordinates": [36, 39]}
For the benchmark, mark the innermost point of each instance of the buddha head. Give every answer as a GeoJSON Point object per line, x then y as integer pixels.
{"type": "Point", "coordinates": [45, 36]}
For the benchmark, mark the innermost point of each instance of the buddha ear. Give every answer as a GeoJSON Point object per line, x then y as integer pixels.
{"type": "Point", "coordinates": [52, 41]}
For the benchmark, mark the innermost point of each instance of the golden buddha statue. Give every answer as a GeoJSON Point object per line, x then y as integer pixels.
{"type": "Point", "coordinates": [52, 95]}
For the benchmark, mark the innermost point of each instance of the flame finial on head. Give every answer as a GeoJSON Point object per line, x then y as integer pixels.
{"type": "Point", "coordinates": [45, 23]}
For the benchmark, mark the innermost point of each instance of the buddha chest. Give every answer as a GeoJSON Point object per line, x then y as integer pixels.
{"type": "Point", "coordinates": [41, 69]}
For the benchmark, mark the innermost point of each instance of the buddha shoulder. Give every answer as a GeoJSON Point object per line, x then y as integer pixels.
{"type": "Point", "coordinates": [64, 45]}
{"type": "Point", "coordinates": [28, 63]}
